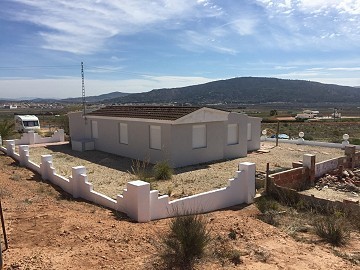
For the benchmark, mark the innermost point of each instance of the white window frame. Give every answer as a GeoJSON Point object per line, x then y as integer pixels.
{"type": "Point", "coordinates": [155, 137]}
{"type": "Point", "coordinates": [94, 129]}
{"type": "Point", "coordinates": [233, 134]}
{"type": "Point", "coordinates": [199, 136]}
{"type": "Point", "coordinates": [249, 132]}
{"type": "Point", "coordinates": [123, 133]}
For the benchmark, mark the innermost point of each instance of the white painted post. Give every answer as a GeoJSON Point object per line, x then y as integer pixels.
{"type": "Point", "coordinates": [60, 135]}
{"type": "Point", "coordinates": [10, 147]}
{"type": "Point", "coordinates": [138, 200]}
{"type": "Point", "coordinates": [31, 136]}
{"type": "Point", "coordinates": [250, 170]}
{"type": "Point", "coordinates": [24, 154]}
{"type": "Point", "coordinates": [301, 139]}
{"type": "Point", "coordinates": [76, 181]}
{"type": "Point", "coordinates": [45, 166]}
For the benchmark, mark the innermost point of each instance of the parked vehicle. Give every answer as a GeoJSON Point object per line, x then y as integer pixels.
{"type": "Point", "coordinates": [25, 123]}
{"type": "Point", "coordinates": [281, 136]}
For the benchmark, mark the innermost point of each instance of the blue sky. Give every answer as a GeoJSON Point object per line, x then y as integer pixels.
{"type": "Point", "coordinates": [139, 45]}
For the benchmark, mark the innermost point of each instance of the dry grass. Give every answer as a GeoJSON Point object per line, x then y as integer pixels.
{"type": "Point", "coordinates": [110, 173]}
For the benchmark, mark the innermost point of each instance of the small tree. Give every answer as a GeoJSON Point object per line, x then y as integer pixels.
{"type": "Point", "coordinates": [273, 112]}
{"type": "Point", "coordinates": [63, 123]}
{"type": "Point", "coordinates": [6, 129]}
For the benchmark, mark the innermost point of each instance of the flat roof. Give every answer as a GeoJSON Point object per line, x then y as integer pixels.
{"type": "Point", "coordinates": [28, 117]}
{"type": "Point", "coordinates": [145, 112]}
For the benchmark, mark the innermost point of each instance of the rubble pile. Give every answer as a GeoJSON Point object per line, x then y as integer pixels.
{"type": "Point", "coordinates": [343, 180]}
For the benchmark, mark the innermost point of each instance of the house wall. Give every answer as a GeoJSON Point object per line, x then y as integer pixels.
{"type": "Point", "coordinates": [254, 143]}
{"type": "Point", "coordinates": [138, 146]}
{"type": "Point", "coordinates": [182, 149]}
{"type": "Point", "coordinates": [80, 128]}
{"type": "Point", "coordinates": [240, 149]}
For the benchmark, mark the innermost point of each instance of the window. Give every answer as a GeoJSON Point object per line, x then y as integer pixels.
{"type": "Point", "coordinates": [233, 134]}
{"type": "Point", "coordinates": [249, 131]}
{"type": "Point", "coordinates": [199, 136]}
{"type": "Point", "coordinates": [155, 137]}
{"type": "Point", "coordinates": [94, 130]}
{"type": "Point", "coordinates": [123, 133]}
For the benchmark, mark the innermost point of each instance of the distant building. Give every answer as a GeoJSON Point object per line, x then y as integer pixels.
{"type": "Point", "coordinates": [10, 106]}
{"type": "Point", "coordinates": [307, 114]}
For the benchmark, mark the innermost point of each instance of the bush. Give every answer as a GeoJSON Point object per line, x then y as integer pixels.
{"type": "Point", "coordinates": [332, 229]}
{"type": "Point", "coordinates": [185, 243]}
{"type": "Point", "coordinates": [162, 171]}
{"type": "Point", "coordinates": [141, 169]}
{"type": "Point", "coordinates": [354, 141]}
{"type": "Point", "coordinates": [265, 204]}
{"type": "Point", "coordinates": [6, 129]}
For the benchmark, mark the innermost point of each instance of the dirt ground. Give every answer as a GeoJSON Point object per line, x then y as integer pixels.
{"type": "Point", "coordinates": [110, 173]}
{"type": "Point", "coordinates": [47, 229]}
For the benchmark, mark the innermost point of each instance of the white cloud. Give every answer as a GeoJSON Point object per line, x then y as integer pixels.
{"type": "Point", "coordinates": [196, 41]}
{"type": "Point", "coordinates": [345, 69]}
{"type": "Point", "coordinates": [316, 24]}
{"type": "Point", "coordinates": [82, 27]}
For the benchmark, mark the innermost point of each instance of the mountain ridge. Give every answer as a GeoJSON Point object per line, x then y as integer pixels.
{"type": "Point", "coordinates": [247, 90]}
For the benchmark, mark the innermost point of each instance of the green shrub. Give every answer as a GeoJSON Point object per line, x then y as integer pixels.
{"type": "Point", "coordinates": [6, 129]}
{"type": "Point", "coordinates": [162, 171]}
{"type": "Point", "coordinates": [232, 234]}
{"type": "Point", "coordinates": [354, 141]}
{"type": "Point", "coordinates": [333, 229]}
{"type": "Point", "coordinates": [185, 243]}
{"type": "Point", "coordinates": [265, 204]}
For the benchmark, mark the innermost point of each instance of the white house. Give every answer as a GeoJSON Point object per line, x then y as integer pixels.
{"type": "Point", "coordinates": [181, 135]}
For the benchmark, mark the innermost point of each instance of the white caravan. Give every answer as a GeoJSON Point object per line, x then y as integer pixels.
{"type": "Point", "coordinates": [25, 123]}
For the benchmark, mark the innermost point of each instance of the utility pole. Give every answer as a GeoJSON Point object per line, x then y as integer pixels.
{"type": "Point", "coordinates": [83, 89]}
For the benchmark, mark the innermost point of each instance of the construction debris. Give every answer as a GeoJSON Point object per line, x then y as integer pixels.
{"type": "Point", "coordinates": [341, 179]}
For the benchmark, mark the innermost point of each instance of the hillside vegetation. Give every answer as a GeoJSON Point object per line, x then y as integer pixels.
{"type": "Point", "coordinates": [247, 90]}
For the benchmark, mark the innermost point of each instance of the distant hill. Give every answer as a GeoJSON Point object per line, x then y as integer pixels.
{"type": "Point", "coordinates": [95, 99]}
{"type": "Point", "coordinates": [246, 90]}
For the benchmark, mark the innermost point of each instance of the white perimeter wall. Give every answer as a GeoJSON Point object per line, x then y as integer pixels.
{"type": "Point", "coordinates": [315, 143]}
{"type": "Point", "coordinates": [32, 137]}
{"type": "Point", "coordinates": [137, 201]}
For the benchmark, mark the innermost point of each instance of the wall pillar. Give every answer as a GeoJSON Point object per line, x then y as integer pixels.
{"type": "Point", "coordinates": [350, 156]}
{"type": "Point", "coordinates": [138, 201]}
{"type": "Point", "coordinates": [60, 135]}
{"type": "Point", "coordinates": [309, 162]}
{"type": "Point", "coordinates": [24, 154]}
{"type": "Point", "coordinates": [250, 170]}
{"type": "Point", "coordinates": [76, 181]}
{"type": "Point", "coordinates": [45, 166]}
{"type": "Point", "coordinates": [10, 147]}
{"type": "Point", "coordinates": [31, 137]}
